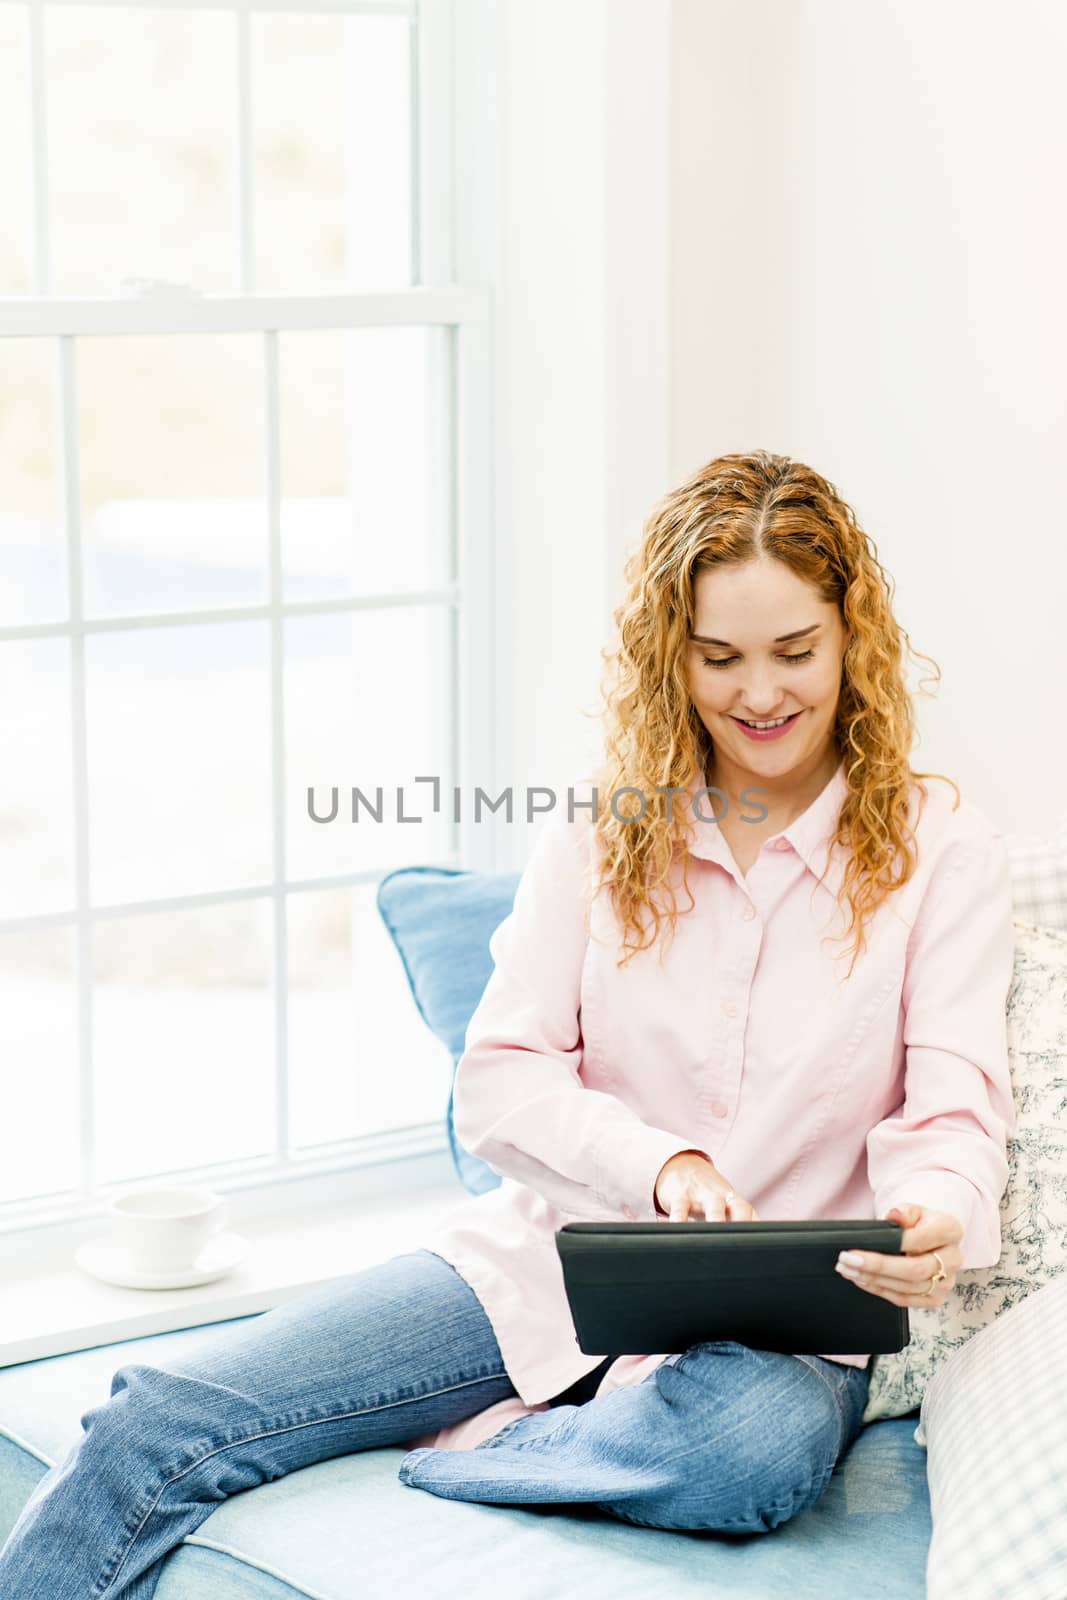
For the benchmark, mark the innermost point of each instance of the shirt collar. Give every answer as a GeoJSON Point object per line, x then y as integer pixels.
{"type": "Point", "coordinates": [809, 834]}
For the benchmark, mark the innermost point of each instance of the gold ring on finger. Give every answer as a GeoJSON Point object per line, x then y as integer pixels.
{"type": "Point", "coordinates": [940, 1276]}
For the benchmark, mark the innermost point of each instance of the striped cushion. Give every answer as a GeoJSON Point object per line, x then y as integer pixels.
{"type": "Point", "coordinates": [1039, 877]}
{"type": "Point", "coordinates": [995, 1425]}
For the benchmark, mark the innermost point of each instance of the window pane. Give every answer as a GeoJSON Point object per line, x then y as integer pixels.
{"type": "Point", "coordinates": [174, 511]}
{"type": "Point", "coordinates": [332, 157]}
{"type": "Point", "coordinates": [179, 759]}
{"type": "Point", "coordinates": [367, 703]}
{"type": "Point", "coordinates": [38, 1045]}
{"type": "Point", "coordinates": [183, 1052]}
{"type": "Point", "coordinates": [361, 1058]}
{"type": "Point", "coordinates": [16, 214]}
{"type": "Point", "coordinates": [33, 563]}
{"type": "Point", "coordinates": [364, 469]}
{"type": "Point", "coordinates": [140, 129]}
{"type": "Point", "coordinates": [36, 805]}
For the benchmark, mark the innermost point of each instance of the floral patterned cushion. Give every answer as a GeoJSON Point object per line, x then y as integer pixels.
{"type": "Point", "coordinates": [1033, 1210]}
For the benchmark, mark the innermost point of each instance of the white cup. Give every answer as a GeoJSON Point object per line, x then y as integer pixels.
{"type": "Point", "coordinates": [164, 1229]}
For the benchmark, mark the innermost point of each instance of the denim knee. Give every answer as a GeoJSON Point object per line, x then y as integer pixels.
{"type": "Point", "coordinates": [760, 1435]}
{"type": "Point", "coordinates": [154, 1423]}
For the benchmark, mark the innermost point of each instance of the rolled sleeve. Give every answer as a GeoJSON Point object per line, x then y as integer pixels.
{"type": "Point", "coordinates": [518, 1101]}
{"type": "Point", "coordinates": [945, 1147]}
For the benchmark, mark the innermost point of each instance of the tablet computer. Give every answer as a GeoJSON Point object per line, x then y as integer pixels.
{"type": "Point", "coordinates": [641, 1287]}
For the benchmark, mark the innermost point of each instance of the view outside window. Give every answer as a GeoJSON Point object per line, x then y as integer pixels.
{"type": "Point", "coordinates": [146, 763]}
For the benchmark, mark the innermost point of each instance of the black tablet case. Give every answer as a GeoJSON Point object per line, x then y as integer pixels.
{"type": "Point", "coordinates": [637, 1288]}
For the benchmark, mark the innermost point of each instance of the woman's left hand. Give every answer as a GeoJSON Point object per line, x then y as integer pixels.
{"type": "Point", "coordinates": [904, 1280]}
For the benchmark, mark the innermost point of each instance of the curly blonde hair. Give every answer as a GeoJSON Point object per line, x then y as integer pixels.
{"type": "Point", "coordinates": [735, 509]}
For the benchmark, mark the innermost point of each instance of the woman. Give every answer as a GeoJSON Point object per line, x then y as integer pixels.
{"type": "Point", "coordinates": [639, 1055]}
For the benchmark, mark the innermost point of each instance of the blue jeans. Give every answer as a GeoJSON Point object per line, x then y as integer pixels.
{"type": "Point", "coordinates": [719, 1437]}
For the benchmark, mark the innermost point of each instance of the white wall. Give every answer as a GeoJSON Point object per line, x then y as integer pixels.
{"type": "Point", "coordinates": [868, 258]}
{"type": "Point", "coordinates": [718, 231]}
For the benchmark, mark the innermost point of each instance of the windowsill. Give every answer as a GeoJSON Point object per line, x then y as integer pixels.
{"type": "Point", "coordinates": [305, 1235]}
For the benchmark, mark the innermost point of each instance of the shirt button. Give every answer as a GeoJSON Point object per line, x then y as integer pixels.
{"type": "Point", "coordinates": [781, 844]}
{"type": "Point", "coordinates": [729, 1007]}
{"type": "Point", "coordinates": [749, 912]}
{"type": "Point", "coordinates": [719, 1108]}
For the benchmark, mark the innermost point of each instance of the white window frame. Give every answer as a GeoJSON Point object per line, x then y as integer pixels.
{"type": "Point", "coordinates": [437, 300]}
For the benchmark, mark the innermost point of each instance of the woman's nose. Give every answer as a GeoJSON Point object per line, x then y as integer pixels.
{"type": "Point", "coordinates": [762, 693]}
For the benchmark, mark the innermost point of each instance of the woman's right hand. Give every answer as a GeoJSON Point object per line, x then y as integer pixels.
{"type": "Point", "coordinates": [689, 1180]}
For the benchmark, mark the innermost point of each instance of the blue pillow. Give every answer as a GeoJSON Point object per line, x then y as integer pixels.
{"type": "Point", "coordinates": [441, 919]}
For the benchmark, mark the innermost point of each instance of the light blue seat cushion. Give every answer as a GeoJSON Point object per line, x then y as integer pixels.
{"type": "Point", "coordinates": [441, 919]}
{"type": "Point", "coordinates": [348, 1529]}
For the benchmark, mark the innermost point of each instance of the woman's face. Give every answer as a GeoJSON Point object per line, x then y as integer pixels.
{"type": "Point", "coordinates": [741, 668]}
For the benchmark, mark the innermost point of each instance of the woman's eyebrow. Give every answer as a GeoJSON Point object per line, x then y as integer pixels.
{"type": "Point", "coordinates": [782, 638]}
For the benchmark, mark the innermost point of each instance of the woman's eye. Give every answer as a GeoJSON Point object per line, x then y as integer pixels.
{"type": "Point", "coordinates": [724, 661]}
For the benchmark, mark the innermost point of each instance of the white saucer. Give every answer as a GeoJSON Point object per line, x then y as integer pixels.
{"type": "Point", "coordinates": [103, 1258]}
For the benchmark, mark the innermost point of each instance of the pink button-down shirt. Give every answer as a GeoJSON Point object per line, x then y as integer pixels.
{"type": "Point", "coordinates": [817, 1097]}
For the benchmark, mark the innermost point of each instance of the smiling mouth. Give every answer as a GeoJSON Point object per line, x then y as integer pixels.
{"type": "Point", "coordinates": [775, 722]}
